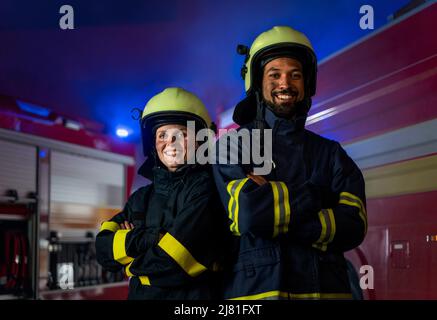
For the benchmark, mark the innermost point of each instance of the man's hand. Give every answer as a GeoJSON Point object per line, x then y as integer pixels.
{"type": "Point", "coordinates": [259, 180]}
{"type": "Point", "coordinates": [126, 225]}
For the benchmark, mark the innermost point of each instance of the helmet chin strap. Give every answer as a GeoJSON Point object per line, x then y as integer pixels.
{"type": "Point", "coordinates": [260, 119]}
{"type": "Point", "coordinates": [260, 113]}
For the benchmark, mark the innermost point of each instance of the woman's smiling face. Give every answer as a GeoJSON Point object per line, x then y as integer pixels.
{"type": "Point", "coordinates": [171, 145]}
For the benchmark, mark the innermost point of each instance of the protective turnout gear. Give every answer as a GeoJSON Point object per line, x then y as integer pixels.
{"type": "Point", "coordinates": [173, 251]}
{"type": "Point", "coordinates": [280, 41]}
{"type": "Point", "coordinates": [290, 233]}
{"type": "Point", "coordinates": [291, 226]}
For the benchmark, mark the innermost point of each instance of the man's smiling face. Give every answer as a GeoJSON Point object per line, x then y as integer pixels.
{"type": "Point", "coordinates": [283, 85]}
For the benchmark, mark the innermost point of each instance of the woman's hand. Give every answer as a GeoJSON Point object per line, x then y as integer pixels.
{"type": "Point", "coordinates": [126, 225]}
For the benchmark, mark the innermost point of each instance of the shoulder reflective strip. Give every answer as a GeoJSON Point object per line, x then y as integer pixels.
{"type": "Point", "coordinates": [234, 194]}
{"type": "Point", "coordinates": [127, 270]}
{"type": "Point", "coordinates": [352, 200]}
{"type": "Point", "coordinates": [109, 225]}
{"type": "Point", "coordinates": [264, 295]}
{"type": "Point", "coordinates": [286, 206]}
{"type": "Point", "coordinates": [145, 281]}
{"type": "Point", "coordinates": [276, 209]}
{"type": "Point", "coordinates": [181, 255]}
{"type": "Point", "coordinates": [119, 247]}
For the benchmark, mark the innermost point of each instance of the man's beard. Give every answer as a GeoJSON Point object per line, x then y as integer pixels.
{"type": "Point", "coordinates": [284, 110]}
{"type": "Point", "coordinates": [287, 111]}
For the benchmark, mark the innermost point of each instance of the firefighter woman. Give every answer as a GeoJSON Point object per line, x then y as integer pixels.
{"type": "Point", "coordinates": [292, 225]}
{"type": "Point", "coordinates": [167, 236]}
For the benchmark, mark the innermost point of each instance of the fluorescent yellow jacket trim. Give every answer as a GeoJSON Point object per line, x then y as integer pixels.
{"type": "Point", "coordinates": [281, 295]}
{"type": "Point", "coordinates": [352, 200]}
{"type": "Point", "coordinates": [281, 207]}
{"type": "Point", "coordinates": [109, 225]}
{"type": "Point", "coordinates": [127, 270]}
{"type": "Point", "coordinates": [181, 255]}
{"type": "Point", "coordinates": [234, 187]}
{"type": "Point", "coordinates": [145, 281]}
{"type": "Point", "coordinates": [119, 247]}
{"type": "Point", "coordinates": [264, 296]}
{"type": "Point", "coordinates": [327, 221]}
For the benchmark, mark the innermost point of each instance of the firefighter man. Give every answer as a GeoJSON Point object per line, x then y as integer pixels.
{"type": "Point", "coordinates": [167, 236]}
{"type": "Point", "coordinates": [292, 225]}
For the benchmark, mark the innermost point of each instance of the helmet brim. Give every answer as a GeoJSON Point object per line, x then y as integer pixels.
{"type": "Point", "coordinates": [301, 53]}
{"type": "Point", "coordinates": [150, 124]}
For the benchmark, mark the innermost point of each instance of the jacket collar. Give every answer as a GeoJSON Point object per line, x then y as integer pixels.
{"type": "Point", "coordinates": [282, 125]}
{"type": "Point", "coordinates": [164, 180]}
{"type": "Point", "coordinates": [161, 177]}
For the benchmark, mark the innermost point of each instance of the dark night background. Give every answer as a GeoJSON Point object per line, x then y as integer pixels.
{"type": "Point", "coordinates": [121, 53]}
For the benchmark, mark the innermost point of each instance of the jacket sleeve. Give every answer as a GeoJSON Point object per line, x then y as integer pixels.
{"type": "Point", "coordinates": [319, 212]}
{"type": "Point", "coordinates": [116, 247]}
{"type": "Point", "coordinates": [340, 222]}
{"type": "Point", "coordinates": [188, 248]}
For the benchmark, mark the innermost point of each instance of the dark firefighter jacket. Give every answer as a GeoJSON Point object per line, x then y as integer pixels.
{"type": "Point", "coordinates": [184, 207]}
{"type": "Point", "coordinates": [290, 233]}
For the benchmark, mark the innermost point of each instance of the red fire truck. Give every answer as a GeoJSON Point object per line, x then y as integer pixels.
{"type": "Point", "coordinates": [59, 179]}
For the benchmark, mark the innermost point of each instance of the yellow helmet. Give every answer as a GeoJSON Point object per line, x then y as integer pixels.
{"type": "Point", "coordinates": [280, 41]}
{"type": "Point", "coordinates": [172, 106]}
{"type": "Point", "coordinates": [176, 103]}
{"type": "Point", "coordinates": [274, 43]}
